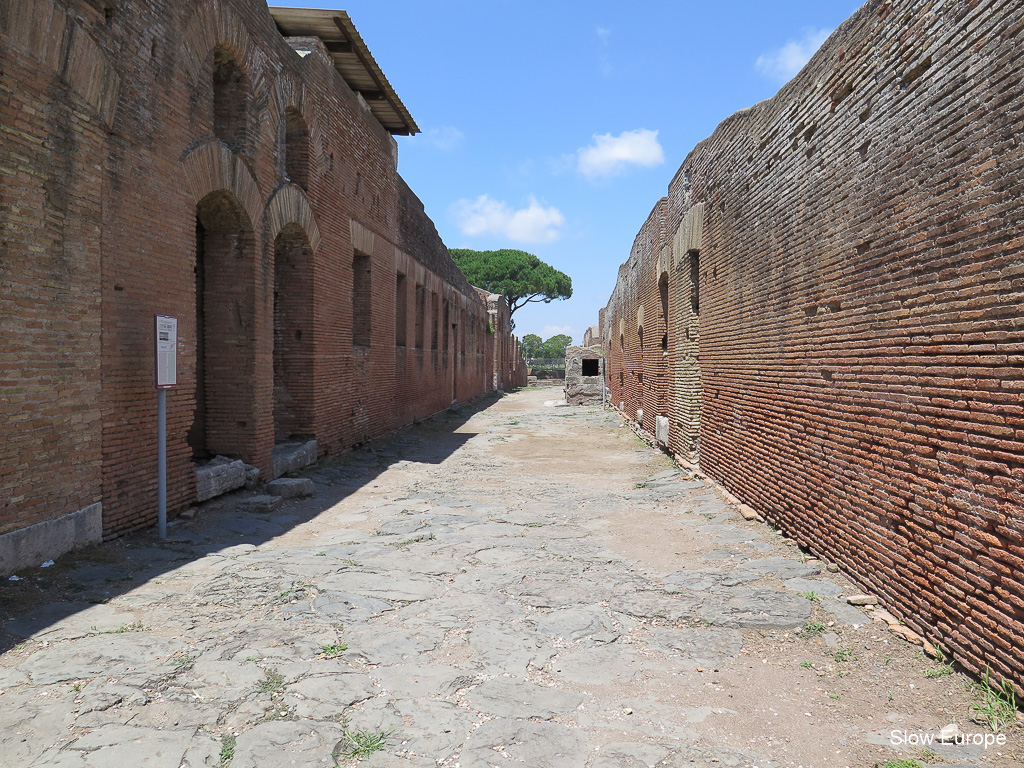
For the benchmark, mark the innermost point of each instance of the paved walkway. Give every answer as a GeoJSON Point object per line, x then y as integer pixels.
{"type": "Point", "coordinates": [521, 585]}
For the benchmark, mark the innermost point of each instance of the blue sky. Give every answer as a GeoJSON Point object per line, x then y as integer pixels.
{"type": "Point", "coordinates": [554, 127]}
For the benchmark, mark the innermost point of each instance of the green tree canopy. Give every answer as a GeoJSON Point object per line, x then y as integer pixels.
{"type": "Point", "coordinates": [519, 276]}
{"type": "Point", "coordinates": [533, 345]}
{"type": "Point", "coordinates": [554, 348]}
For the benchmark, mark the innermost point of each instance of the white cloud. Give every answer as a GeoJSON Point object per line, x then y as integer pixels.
{"type": "Point", "coordinates": [443, 137]}
{"type": "Point", "coordinates": [556, 330]}
{"type": "Point", "coordinates": [783, 63]}
{"type": "Point", "coordinates": [610, 155]}
{"type": "Point", "coordinates": [486, 216]}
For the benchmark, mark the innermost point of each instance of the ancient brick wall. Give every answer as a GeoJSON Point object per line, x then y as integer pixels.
{"type": "Point", "coordinates": [517, 370]}
{"type": "Point", "coordinates": [508, 358]}
{"type": "Point", "coordinates": [850, 252]}
{"type": "Point", "coordinates": [186, 159]}
{"type": "Point", "coordinates": [56, 95]}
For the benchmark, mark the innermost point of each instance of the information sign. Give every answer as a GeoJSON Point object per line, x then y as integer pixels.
{"type": "Point", "coordinates": [166, 351]}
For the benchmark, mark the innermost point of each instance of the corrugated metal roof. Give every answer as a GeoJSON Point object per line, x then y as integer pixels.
{"type": "Point", "coordinates": [352, 59]}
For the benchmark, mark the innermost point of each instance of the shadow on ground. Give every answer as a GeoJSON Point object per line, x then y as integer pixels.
{"type": "Point", "coordinates": [41, 597]}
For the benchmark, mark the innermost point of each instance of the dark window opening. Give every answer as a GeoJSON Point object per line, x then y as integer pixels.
{"type": "Point", "coordinates": [293, 349]}
{"type": "Point", "coordinates": [197, 432]}
{"type": "Point", "coordinates": [445, 314]}
{"type": "Point", "coordinates": [663, 292]}
{"type": "Point", "coordinates": [225, 351]}
{"type": "Point", "coordinates": [462, 336]}
{"type": "Point", "coordinates": [591, 367]}
{"type": "Point", "coordinates": [695, 282]}
{"type": "Point", "coordinates": [229, 92]}
{"type": "Point", "coordinates": [361, 300]}
{"type": "Point", "coordinates": [434, 311]}
{"type": "Point", "coordinates": [296, 148]}
{"type": "Point", "coordinates": [421, 314]}
{"type": "Point", "coordinates": [401, 309]}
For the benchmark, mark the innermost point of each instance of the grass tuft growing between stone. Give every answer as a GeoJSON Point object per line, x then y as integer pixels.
{"type": "Point", "coordinates": [842, 654]}
{"type": "Point", "coordinates": [272, 683]}
{"type": "Point", "coordinates": [813, 629]}
{"type": "Point", "coordinates": [997, 703]}
{"type": "Point", "coordinates": [356, 744]}
{"type": "Point", "coordinates": [227, 749]}
{"type": "Point", "coordinates": [333, 651]}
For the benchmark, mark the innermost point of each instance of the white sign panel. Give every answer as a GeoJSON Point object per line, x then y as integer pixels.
{"type": "Point", "coordinates": [166, 351]}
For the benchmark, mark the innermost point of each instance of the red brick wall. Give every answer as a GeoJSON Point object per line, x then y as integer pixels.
{"type": "Point", "coordinates": [52, 137]}
{"type": "Point", "coordinates": [115, 137]}
{"type": "Point", "coordinates": [857, 371]}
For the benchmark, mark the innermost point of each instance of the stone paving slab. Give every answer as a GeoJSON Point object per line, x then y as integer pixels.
{"type": "Point", "coordinates": [756, 608]}
{"type": "Point", "coordinates": [415, 604]}
{"type": "Point", "coordinates": [519, 743]}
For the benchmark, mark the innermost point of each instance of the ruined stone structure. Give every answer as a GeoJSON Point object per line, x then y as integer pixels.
{"type": "Point", "coordinates": [237, 170]}
{"type": "Point", "coordinates": [584, 375]}
{"type": "Point", "coordinates": [825, 310]}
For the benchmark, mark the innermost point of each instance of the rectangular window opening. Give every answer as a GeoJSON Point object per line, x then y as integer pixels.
{"type": "Point", "coordinates": [695, 282]}
{"type": "Point", "coordinates": [591, 366]}
{"type": "Point", "coordinates": [401, 309]}
{"type": "Point", "coordinates": [446, 315]}
{"type": "Point", "coordinates": [361, 300]}
{"type": "Point", "coordinates": [421, 314]}
{"type": "Point", "coordinates": [434, 311]}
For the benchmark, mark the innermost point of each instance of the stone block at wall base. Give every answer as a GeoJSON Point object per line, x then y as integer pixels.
{"type": "Point", "coordinates": [291, 487]}
{"type": "Point", "coordinates": [48, 540]}
{"type": "Point", "coordinates": [219, 476]}
{"type": "Point", "coordinates": [661, 430]}
{"type": "Point", "coordinates": [291, 457]}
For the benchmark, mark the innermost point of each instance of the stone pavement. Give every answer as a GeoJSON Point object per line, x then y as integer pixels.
{"type": "Point", "coordinates": [524, 585]}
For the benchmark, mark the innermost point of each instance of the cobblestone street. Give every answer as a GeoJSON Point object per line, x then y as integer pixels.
{"type": "Point", "coordinates": [512, 584]}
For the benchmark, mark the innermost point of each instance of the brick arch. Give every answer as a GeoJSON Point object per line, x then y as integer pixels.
{"type": "Point", "coordinates": [290, 92]}
{"type": "Point", "coordinates": [212, 166]}
{"type": "Point", "coordinates": [289, 205]}
{"type": "Point", "coordinates": [215, 24]}
{"type": "Point", "coordinates": [50, 36]}
{"type": "Point", "coordinates": [664, 262]}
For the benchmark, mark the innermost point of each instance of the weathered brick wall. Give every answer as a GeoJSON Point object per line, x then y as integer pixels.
{"type": "Point", "coordinates": [509, 364]}
{"type": "Point", "coordinates": [518, 372]}
{"type": "Point", "coordinates": [54, 106]}
{"type": "Point", "coordinates": [182, 158]}
{"type": "Point", "coordinates": [857, 372]}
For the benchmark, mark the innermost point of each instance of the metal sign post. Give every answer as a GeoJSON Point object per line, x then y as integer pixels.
{"type": "Point", "coordinates": [165, 346]}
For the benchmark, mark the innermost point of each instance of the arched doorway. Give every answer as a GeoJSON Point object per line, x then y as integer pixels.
{"type": "Point", "coordinates": [293, 336]}
{"type": "Point", "coordinates": [224, 420]}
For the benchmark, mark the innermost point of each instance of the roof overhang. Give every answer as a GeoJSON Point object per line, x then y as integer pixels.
{"type": "Point", "coordinates": [352, 59]}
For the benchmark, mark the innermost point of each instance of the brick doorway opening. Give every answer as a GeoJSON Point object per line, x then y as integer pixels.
{"type": "Point", "coordinates": [293, 336]}
{"type": "Point", "coordinates": [224, 420]}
